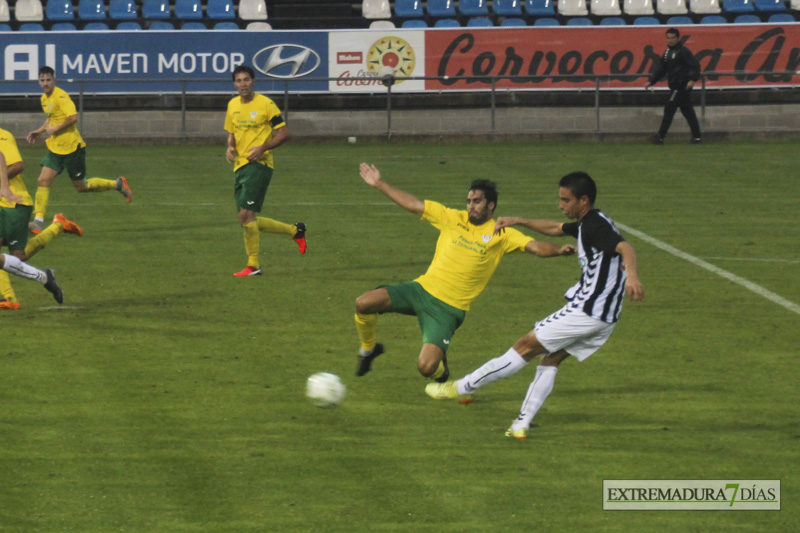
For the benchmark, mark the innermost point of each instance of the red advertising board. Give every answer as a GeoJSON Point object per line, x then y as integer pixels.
{"type": "Point", "coordinates": [552, 53]}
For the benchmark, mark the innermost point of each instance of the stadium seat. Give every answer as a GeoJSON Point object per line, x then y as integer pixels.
{"type": "Point", "coordinates": [5, 13]}
{"type": "Point", "coordinates": [646, 21]}
{"type": "Point", "coordinates": [572, 8]}
{"type": "Point", "coordinates": [480, 22]}
{"type": "Point", "coordinates": [60, 10]}
{"type": "Point", "coordinates": [781, 18]}
{"type": "Point", "coordinates": [605, 8]}
{"type": "Point", "coordinates": [5, 27]}
{"type": "Point", "coordinates": [220, 10]}
{"type": "Point", "coordinates": [122, 9]}
{"type": "Point", "coordinates": [31, 26]}
{"type": "Point", "coordinates": [375, 9]}
{"type": "Point", "coordinates": [671, 7]}
{"type": "Point", "coordinates": [189, 10]}
{"type": "Point", "coordinates": [747, 19]}
{"type": "Point", "coordinates": [28, 11]}
{"type": "Point", "coordinates": [156, 9]}
{"type": "Point", "coordinates": [579, 21]}
{"type": "Point", "coordinates": [129, 25]}
{"type": "Point", "coordinates": [704, 7]}
{"type": "Point", "coordinates": [253, 10]}
{"type": "Point", "coordinates": [259, 26]}
{"type": "Point", "coordinates": [441, 8]}
{"type": "Point", "coordinates": [161, 25]}
{"type": "Point", "coordinates": [408, 9]}
{"type": "Point", "coordinates": [612, 21]}
{"type": "Point", "coordinates": [91, 10]}
{"type": "Point", "coordinates": [638, 7]}
{"type": "Point", "coordinates": [540, 8]}
{"type": "Point", "coordinates": [447, 23]}
{"type": "Point", "coordinates": [507, 8]}
{"type": "Point", "coordinates": [414, 23]}
{"type": "Point", "coordinates": [381, 25]}
{"type": "Point", "coordinates": [770, 6]}
{"type": "Point", "coordinates": [226, 25]}
{"type": "Point", "coordinates": [795, 5]}
{"type": "Point", "coordinates": [713, 19]}
{"type": "Point", "coordinates": [513, 22]}
{"type": "Point", "coordinates": [96, 26]}
{"type": "Point", "coordinates": [738, 6]}
{"type": "Point", "coordinates": [63, 26]}
{"type": "Point", "coordinates": [193, 25]}
{"type": "Point", "coordinates": [546, 21]}
{"type": "Point", "coordinates": [679, 20]}
{"type": "Point", "coordinates": [473, 8]}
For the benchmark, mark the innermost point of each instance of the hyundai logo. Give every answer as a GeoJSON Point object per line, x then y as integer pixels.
{"type": "Point", "coordinates": [286, 61]}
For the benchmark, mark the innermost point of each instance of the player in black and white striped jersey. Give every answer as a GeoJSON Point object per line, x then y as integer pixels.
{"type": "Point", "coordinates": [582, 326]}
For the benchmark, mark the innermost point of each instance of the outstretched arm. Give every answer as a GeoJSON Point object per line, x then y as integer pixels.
{"type": "Point", "coordinates": [546, 249]}
{"type": "Point", "coordinates": [633, 286]}
{"type": "Point", "coordinates": [545, 227]}
{"type": "Point", "coordinates": [372, 176]}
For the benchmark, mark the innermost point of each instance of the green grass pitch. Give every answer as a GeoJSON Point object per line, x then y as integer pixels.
{"type": "Point", "coordinates": [165, 395]}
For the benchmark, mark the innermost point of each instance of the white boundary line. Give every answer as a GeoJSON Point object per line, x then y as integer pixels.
{"type": "Point", "coordinates": [761, 291]}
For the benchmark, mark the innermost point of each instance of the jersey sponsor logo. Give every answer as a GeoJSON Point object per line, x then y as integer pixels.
{"type": "Point", "coordinates": [486, 238]}
{"type": "Point", "coordinates": [253, 114]}
{"type": "Point", "coordinates": [286, 61]}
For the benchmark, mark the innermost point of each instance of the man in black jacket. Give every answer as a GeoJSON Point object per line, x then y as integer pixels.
{"type": "Point", "coordinates": [682, 71]}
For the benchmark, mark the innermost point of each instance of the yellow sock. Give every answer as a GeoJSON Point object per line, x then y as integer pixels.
{"type": "Point", "coordinates": [100, 185]}
{"type": "Point", "coordinates": [439, 371]}
{"type": "Point", "coordinates": [40, 203]}
{"type": "Point", "coordinates": [251, 243]}
{"type": "Point", "coordinates": [36, 244]}
{"type": "Point", "coordinates": [5, 287]}
{"type": "Point", "coordinates": [367, 328]}
{"type": "Point", "coordinates": [267, 225]}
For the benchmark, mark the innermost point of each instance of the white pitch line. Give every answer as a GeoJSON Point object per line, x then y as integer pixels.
{"type": "Point", "coordinates": [761, 291]}
{"type": "Point", "coordinates": [755, 259]}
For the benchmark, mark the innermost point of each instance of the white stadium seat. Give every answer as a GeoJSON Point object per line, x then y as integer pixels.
{"type": "Point", "coordinates": [376, 9]}
{"type": "Point", "coordinates": [638, 7]}
{"type": "Point", "coordinates": [671, 7]}
{"type": "Point", "coordinates": [704, 7]}
{"type": "Point", "coordinates": [253, 10]}
{"type": "Point", "coordinates": [605, 7]}
{"type": "Point", "coordinates": [572, 8]}
{"type": "Point", "coordinates": [29, 11]}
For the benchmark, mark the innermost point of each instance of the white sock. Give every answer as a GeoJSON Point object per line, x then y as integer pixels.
{"type": "Point", "coordinates": [14, 266]}
{"type": "Point", "coordinates": [540, 388]}
{"type": "Point", "coordinates": [38, 219]}
{"type": "Point", "coordinates": [506, 365]}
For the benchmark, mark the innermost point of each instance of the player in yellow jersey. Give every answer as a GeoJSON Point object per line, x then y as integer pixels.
{"type": "Point", "coordinates": [467, 254]}
{"type": "Point", "coordinates": [255, 127]}
{"type": "Point", "coordinates": [15, 212]}
{"type": "Point", "coordinates": [65, 149]}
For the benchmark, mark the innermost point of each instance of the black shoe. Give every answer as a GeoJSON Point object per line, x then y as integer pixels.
{"type": "Point", "coordinates": [656, 139]}
{"type": "Point", "coordinates": [365, 361]}
{"type": "Point", "coordinates": [446, 374]}
{"type": "Point", "coordinates": [52, 286]}
{"type": "Point", "coordinates": [696, 140]}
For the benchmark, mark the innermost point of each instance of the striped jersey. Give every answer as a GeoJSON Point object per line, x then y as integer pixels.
{"type": "Point", "coordinates": [601, 289]}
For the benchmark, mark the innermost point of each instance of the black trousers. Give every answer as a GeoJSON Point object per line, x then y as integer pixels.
{"type": "Point", "coordinates": [679, 99]}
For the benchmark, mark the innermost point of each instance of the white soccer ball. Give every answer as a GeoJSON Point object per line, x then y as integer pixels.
{"type": "Point", "coordinates": [325, 389]}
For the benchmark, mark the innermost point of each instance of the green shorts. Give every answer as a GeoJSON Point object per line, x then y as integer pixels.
{"type": "Point", "coordinates": [14, 226]}
{"type": "Point", "coordinates": [75, 163]}
{"type": "Point", "coordinates": [438, 320]}
{"type": "Point", "coordinates": [252, 182]}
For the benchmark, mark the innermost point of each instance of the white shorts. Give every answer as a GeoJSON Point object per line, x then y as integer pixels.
{"type": "Point", "coordinates": [572, 330]}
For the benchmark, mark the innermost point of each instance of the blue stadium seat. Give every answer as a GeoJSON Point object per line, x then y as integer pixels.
{"type": "Point", "coordinates": [91, 10]}
{"type": "Point", "coordinates": [507, 8]}
{"type": "Point", "coordinates": [122, 10]}
{"type": "Point", "coordinates": [679, 20]}
{"type": "Point", "coordinates": [31, 26]}
{"type": "Point", "coordinates": [156, 9]}
{"type": "Point", "coordinates": [738, 6]}
{"type": "Point", "coordinates": [473, 8]}
{"type": "Point", "coordinates": [226, 25]}
{"type": "Point", "coordinates": [480, 22]}
{"type": "Point", "coordinates": [546, 21]}
{"type": "Point", "coordinates": [408, 9]}
{"type": "Point", "coordinates": [646, 21]}
{"type": "Point", "coordinates": [220, 10]}
{"type": "Point", "coordinates": [513, 21]}
{"type": "Point", "coordinates": [128, 25]}
{"type": "Point", "coordinates": [5, 27]}
{"type": "Point", "coordinates": [540, 8]}
{"type": "Point", "coordinates": [193, 25]}
{"type": "Point", "coordinates": [161, 25]}
{"type": "Point", "coordinates": [713, 19]}
{"type": "Point", "coordinates": [782, 17]}
{"type": "Point", "coordinates": [441, 8]}
{"type": "Point", "coordinates": [63, 26]}
{"type": "Point", "coordinates": [96, 26]}
{"type": "Point", "coordinates": [414, 23]}
{"type": "Point", "coordinates": [612, 21]}
{"type": "Point", "coordinates": [747, 19]}
{"type": "Point", "coordinates": [59, 10]}
{"type": "Point", "coordinates": [770, 6]}
{"type": "Point", "coordinates": [447, 23]}
{"type": "Point", "coordinates": [579, 21]}
{"type": "Point", "coordinates": [189, 9]}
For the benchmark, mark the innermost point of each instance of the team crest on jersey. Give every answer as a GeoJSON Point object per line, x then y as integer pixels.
{"type": "Point", "coordinates": [253, 114]}
{"type": "Point", "coordinates": [486, 239]}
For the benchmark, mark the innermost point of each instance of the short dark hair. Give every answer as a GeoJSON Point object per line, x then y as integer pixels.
{"type": "Point", "coordinates": [489, 190]}
{"type": "Point", "coordinates": [580, 184]}
{"type": "Point", "coordinates": [47, 70]}
{"type": "Point", "coordinates": [243, 68]}
{"type": "Point", "coordinates": [675, 31]}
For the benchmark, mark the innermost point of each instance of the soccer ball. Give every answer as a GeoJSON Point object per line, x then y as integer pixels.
{"type": "Point", "coordinates": [325, 389]}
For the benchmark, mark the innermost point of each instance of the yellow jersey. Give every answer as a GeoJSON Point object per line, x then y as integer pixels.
{"type": "Point", "coordinates": [8, 146]}
{"type": "Point", "coordinates": [466, 255]}
{"type": "Point", "coordinates": [252, 125]}
{"type": "Point", "coordinates": [58, 107]}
